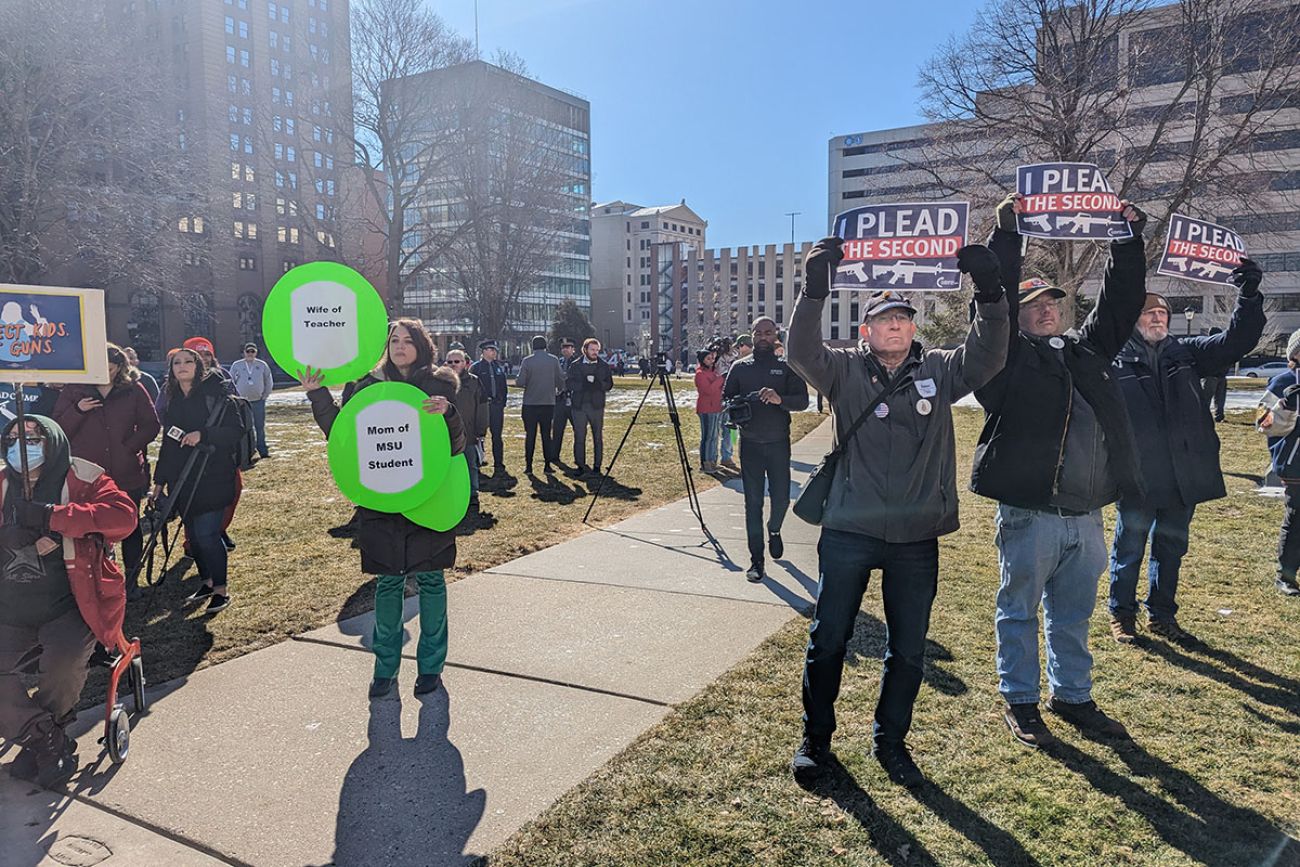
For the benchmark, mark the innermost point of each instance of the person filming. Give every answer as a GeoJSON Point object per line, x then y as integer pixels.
{"type": "Point", "coordinates": [772, 391]}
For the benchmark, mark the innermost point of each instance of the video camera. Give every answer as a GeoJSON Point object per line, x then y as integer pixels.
{"type": "Point", "coordinates": [661, 362]}
{"type": "Point", "coordinates": [740, 410]}
{"type": "Point", "coordinates": [720, 345]}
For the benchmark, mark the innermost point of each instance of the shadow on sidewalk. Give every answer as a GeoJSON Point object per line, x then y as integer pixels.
{"type": "Point", "coordinates": [1189, 817]}
{"type": "Point", "coordinates": [404, 800]}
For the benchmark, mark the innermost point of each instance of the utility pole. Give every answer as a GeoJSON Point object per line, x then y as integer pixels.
{"type": "Point", "coordinates": [476, 50]}
{"type": "Point", "coordinates": [792, 215]}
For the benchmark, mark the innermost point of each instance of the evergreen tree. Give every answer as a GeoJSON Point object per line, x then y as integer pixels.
{"type": "Point", "coordinates": [569, 322]}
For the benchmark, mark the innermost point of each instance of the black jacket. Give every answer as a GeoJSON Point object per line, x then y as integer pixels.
{"type": "Point", "coordinates": [390, 544]}
{"type": "Point", "coordinates": [492, 376]}
{"type": "Point", "coordinates": [763, 369]}
{"type": "Point", "coordinates": [585, 395]}
{"type": "Point", "coordinates": [1176, 441]}
{"type": "Point", "coordinates": [1028, 405]}
{"type": "Point", "coordinates": [213, 489]}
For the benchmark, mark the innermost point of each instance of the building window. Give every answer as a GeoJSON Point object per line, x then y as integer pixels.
{"type": "Point", "coordinates": [287, 234]}
{"type": "Point", "coordinates": [247, 263]}
{"type": "Point", "coordinates": [288, 265]}
{"type": "Point", "coordinates": [243, 29]}
{"type": "Point", "coordinates": [273, 38]}
{"type": "Point", "coordinates": [248, 116]}
{"type": "Point", "coordinates": [275, 67]}
{"type": "Point", "coordinates": [230, 25]}
{"type": "Point", "coordinates": [645, 224]}
{"type": "Point", "coordinates": [232, 83]}
{"type": "Point", "coordinates": [230, 54]}
{"type": "Point", "coordinates": [325, 239]}
{"type": "Point", "coordinates": [245, 230]}
{"type": "Point", "coordinates": [243, 57]}
{"type": "Point", "coordinates": [234, 142]}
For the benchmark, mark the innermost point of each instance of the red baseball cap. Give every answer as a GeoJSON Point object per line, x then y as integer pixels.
{"type": "Point", "coordinates": [199, 344]}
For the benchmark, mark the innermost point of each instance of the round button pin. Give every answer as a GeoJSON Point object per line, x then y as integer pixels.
{"type": "Point", "coordinates": [1056, 343]}
{"type": "Point", "coordinates": [923, 407]}
{"type": "Point", "coordinates": [882, 410]}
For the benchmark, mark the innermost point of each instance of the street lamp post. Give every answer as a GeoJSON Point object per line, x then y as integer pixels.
{"type": "Point", "coordinates": [1190, 314]}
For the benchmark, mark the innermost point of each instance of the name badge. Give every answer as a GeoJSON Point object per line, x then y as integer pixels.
{"type": "Point", "coordinates": [926, 387]}
{"type": "Point", "coordinates": [175, 433]}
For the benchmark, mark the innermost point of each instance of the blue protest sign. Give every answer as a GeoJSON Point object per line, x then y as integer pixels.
{"type": "Point", "coordinates": [50, 334]}
{"type": "Point", "coordinates": [1201, 251]}
{"type": "Point", "coordinates": [902, 246]}
{"type": "Point", "coordinates": [1069, 201]}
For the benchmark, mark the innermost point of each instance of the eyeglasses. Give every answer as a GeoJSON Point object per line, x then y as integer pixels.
{"type": "Point", "coordinates": [250, 352]}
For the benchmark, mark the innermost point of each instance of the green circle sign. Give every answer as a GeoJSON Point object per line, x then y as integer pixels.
{"type": "Point", "coordinates": [447, 507]}
{"type": "Point", "coordinates": [326, 316]}
{"type": "Point", "coordinates": [385, 451]}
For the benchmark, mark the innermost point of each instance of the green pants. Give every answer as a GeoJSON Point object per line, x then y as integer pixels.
{"type": "Point", "coordinates": [431, 651]}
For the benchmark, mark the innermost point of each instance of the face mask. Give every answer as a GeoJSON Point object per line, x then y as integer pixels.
{"type": "Point", "coordinates": [35, 456]}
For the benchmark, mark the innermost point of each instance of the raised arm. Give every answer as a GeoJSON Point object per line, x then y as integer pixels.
{"type": "Point", "coordinates": [1215, 353]}
{"type": "Point", "coordinates": [1123, 291]}
{"type": "Point", "coordinates": [807, 354]}
{"type": "Point", "coordinates": [984, 352]}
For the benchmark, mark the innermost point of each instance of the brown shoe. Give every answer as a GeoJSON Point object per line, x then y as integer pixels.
{"type": "Point", "coordinates": [1087, 717]}
{"type": "Point", "coordinates": [1169, 630]}
{"type": "Point", "coordinates": [1123, 628]}
{"type": "Point", "coordinates": [1027, 725]}
{"type": "Point", "coordinates": [731, 465]}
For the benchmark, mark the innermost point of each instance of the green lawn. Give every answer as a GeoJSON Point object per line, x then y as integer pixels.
{"type": "Point", "coordinates": [287, 576]}
{"type": "Point", "coordinates": [1211, 777]}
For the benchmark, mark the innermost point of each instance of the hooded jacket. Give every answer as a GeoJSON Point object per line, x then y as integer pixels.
{"type": "Point", "coordinates": [116, 434]}
{"type": "Point", "coordinates": [1176, 442]}
{"type": "Point", "coordinates": [1033, 446]}
{"type": "Point", "coordinates": [213, 489]}
{"type": "Point", "coordinates": [90, 513]}
{"type": "Point", "coordinates": [1285, 450]}
{"type": "Point", "coordinates": [897, 480]}
{"type": "Point", "coordinates": [708, 390]}
{"type": "Point", "coordinates": [472, 405]}
{"type": "Point", "coordinates": [390, 544]}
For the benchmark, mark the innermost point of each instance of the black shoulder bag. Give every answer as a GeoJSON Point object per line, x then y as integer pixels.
{"type": "Point", "coordinates": [811, 503]}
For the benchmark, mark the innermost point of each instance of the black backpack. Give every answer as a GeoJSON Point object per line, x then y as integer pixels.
{"type": "Point", "coordinates": [245, 454]}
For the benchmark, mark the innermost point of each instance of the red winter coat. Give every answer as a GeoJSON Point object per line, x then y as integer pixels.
{"type": "Point", "coordinates": [115, 435]}
{"type": "Point", "coordinates": [708, 387]}
{"type": "Point", "coordinates": [92, 514]}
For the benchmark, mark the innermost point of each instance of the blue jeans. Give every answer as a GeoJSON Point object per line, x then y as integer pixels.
{"type": "Point", "coordinates": [911, 578]}
{"type": "Point", "coordinates": [1056, 561]}
{"type": "Point", "coordinates": [259, 422]}
{"type": "Point", "coordinates": [710, 425]}
{"type": "Point", "coordinates": [471, 458]}
{"type": "Point", "coordinates": [727, 443]}
{"type": "Point", "coordinates": [204, 531]}
{"type": "Point", "coordinates": [1167, 531]}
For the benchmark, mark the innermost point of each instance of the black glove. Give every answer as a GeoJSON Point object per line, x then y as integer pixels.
{"type": "Point", "coordinates": [33, 515]}
{"type": "Point", "coordinates": [819, 266]}
{"type": "Point", "coordinates": [14, 537]}
{"type": "Point", "coordinates": [1138, 226]}
{"type": "Point", "coordinates": [1246, 277]}
{"type": "Point", "coordinates": [1007, 213]}
{"type": "Point", "coordinates": [982, 265]}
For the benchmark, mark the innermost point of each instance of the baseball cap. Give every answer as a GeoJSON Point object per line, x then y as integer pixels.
{"type": "Point", "coordinates": [1036, 287]}
{"type": "Point", "coordinates": [744, 340]}
{"type": "Point", "coordinates": [248, 346]}
{"type": "Point", "coordinates": [199, 344]}
{"type": "Point", "coordinates": [886, 299]}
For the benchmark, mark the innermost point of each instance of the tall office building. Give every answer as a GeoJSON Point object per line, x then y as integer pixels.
{"type": "Point", "coordinates": [551, 126]}
{"type": "Point", "coordinates": [627, 266]}
{"type": "Point", "coordinates": [897, 165]}
{"type": "Point", "coordinates": [260, 88]}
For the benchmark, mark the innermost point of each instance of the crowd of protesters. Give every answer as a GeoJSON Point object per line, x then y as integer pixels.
{"type": "Point", "coordinates": [1117, 411]}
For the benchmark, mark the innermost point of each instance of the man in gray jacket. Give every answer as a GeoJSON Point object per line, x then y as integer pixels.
{"type": "Point", "coordinates": [541, 378]}
{"type": "Point", "coordinates": [252, 378]}
{"type": "Point", "coordinates": [894, 491]}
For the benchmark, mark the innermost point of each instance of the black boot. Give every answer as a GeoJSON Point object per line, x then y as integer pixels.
{"type": "Point", "coordinates": [55, 754]}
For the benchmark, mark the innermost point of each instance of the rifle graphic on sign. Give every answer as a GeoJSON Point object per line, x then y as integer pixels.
{"type": "Point", "coordinates": [1083, 222]}
{"type": "Point", "coordinates": [904, 269]}
{"type": "Point", "coordinates": [1209, 269]}
{"type": "Point", "coordinates": [857, 269]}
{"type": "Point", "coordinates": [947, 282]}
{"type": "Point", "coordinates": [1042, 221]}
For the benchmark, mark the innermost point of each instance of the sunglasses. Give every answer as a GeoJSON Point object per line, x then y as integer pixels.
{"type": "Point", "coordinates": [455, 361]}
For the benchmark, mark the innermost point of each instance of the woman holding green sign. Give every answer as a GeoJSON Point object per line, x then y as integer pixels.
{"type": "Point", "coordinates": [393, 547]}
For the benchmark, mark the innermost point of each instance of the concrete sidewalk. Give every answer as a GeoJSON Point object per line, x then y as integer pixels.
{"type": "Point", "coordinates": [558, 660]}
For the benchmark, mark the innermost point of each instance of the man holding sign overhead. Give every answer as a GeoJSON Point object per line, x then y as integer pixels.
{"type": "Point", "coordinates": [1160, 376]}
{"type": "Point", "coordinates": [1056, 447]}
{"type": "Point", "coordinates": [893, 489]}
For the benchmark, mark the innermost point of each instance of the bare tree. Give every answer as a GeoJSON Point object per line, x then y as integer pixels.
{"type": "Point", "coordinates": [510, 183]}
{"type": "Point", "coordinates": [1180, 103]}
{"type": "Point", "coordinates": [90, 160]}
{"type": "Point", "coordinates": [402, 153]}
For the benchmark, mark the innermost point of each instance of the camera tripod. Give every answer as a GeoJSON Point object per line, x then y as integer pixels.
{"type": "Point", "coordinates": [659, 377]}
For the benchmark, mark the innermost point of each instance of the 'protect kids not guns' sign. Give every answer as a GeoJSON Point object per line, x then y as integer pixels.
{"type": "Point", "coordinates": [1069, 201]}
{"type": "Point", "coordinates": [1201, 251]}
{"type": "Point", "coordinates": [902, 246]}
{"type": "Point", "coordinates": [50, 334]}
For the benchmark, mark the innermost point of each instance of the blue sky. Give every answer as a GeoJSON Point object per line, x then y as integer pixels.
{"type": "Point", "coordinates": [727, 103]}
